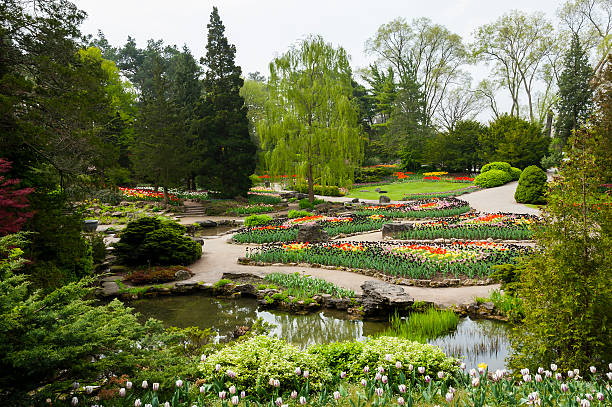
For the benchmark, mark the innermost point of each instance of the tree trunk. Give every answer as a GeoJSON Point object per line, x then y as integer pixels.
{"type": "Point", "coordinates": [549, 119]}
{"type": "Point", "coordinates": [310, 184]}
{"type": "Point", "coordinates": [165, 195]}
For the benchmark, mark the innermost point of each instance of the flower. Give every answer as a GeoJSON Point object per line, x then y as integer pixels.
{"type": "Point", "coordinates": [570, 373]}
{"type": "Point", "coordinates": [475, 381]}
{"type": "Point", "coordinates": [217, 367]}
{"type": "Point", "coordinates": [540, 370]}
{"type": "Point", "coordinates": [585, 403]}
{"type": "Point", "coordinates": [235, 400]}
{"type": "Point", "coordinates": [75, 401]}
{"type": "Point", "coordinates": [128, 385]}
{"type": "Point", "coordinates": [378, 376]}
{"type": "Point", "coordinates": [336, 395]}
{"type": "Point", "coordinates": [122, 392]}
{"type": "Point", "coordinates": [202, 389]}
{"type": "Point", "coordinates": [421, 369]}
{"type": "Point", "coordinates": [398, 365]}
{"type": "Point", "coordinates": [306, 374]}
{"type": "Point", "coordinates": [558, 376]}
{"type": "Point", "coordinates": [524, 372]}
{"type": "Point", "coordinates": [440, 375]}
{"type": "Point", "coordinates": [410, 367]}
{"type": "Point", "coordinates": [88, 389]}
{"type": "Point", "coordinates": [203, 358]}
{"type": "Point", "coordinates": [593, 369]}
{"type": "Point", "coordinates": [222, 395]}
{"type": "Point", "coordinates": [364, 382]}
{"type": "Point", "coordinates": [384, 379]}
{"type": "Point", "coordinates": [366, 369]}
{"type": "Point", "coordinates": [400, 401]}
{"type": "Point", "coordinates": [302, 400]}
{"type": "Point", "coordinates": [553, 367]}
{"type": "Point", "coordinates": [137, 403]}
{"type": "Point", "coordinates": [482, 367]}
{"type": "Point", "coordinates": [379, 391]}
{"type": "Point", "coordinates": [564, 387]}
{"type": "Point", "coordinates": [155, 386]}
{"type": "Point", "coordinates": [427, 379]}
{"type": "Point", "coordinates": [243, 394]}
{"type": "Point", "coordinates": [145, 384]}
{"type": "Point", "coordinates": [75, 386]}
{"type": "Point", "coordinates": [449, 397]}
{"type": "Point", "coordinates": [600, 396]}
{"type": "Point", "coordinates": [473, 372]}
{"type": "Point", "coordinates": [276, 383]}
{"type": "Point", "coordinates": [232, 389]}
{"type": "Point", "coordinates": [179, 383]}
{"type": "Point", "coordinates": [342, 375]}
{"type": "Point", "coordinates": [298, 371]}
{"type": "Point", "coordinates": [381, 369]}
{"type": "Point", "coordinates": [279, 401]}
{"type": "Point", "coordinates": [231, 374]}
{"type": "Point", "coordinates": [527, 378]}
{"type": "Point", "coordinates": [462, 366]}
{"type": "Point", "coordinates": [402, 388]}
{"type": "Point", "coordinates": [538, 378]}
{"type": "Point", "coordinates": [294, 394]}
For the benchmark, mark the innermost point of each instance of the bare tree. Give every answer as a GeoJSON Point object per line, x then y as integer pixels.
{"type": "Point", "coordinates": [460, 103]}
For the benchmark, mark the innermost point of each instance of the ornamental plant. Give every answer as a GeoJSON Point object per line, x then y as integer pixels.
{"type": "Point", "coordinates": [427, 208]}
{"type": "Point", "coordinates": [531, 186]}
{"type": "Point", "coordinates": [492, 178]}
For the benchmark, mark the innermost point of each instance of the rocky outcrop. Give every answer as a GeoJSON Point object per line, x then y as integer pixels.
{"type": "Point", "coordinates": [384, 199]}
{"type": "Point", "coordinates": [391, 230]}
{"type": "Point", "coordinates": [311, 234]}
{"type": "Point", "coordinates": [380, 298]}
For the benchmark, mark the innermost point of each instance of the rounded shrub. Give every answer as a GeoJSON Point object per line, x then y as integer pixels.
{"type": "Point", "coordinates": [515, 173]}
{"type": "Point", "coordinates": [152, 241]}
{"type": "Point", "coordinates": [492, 178]}
{"type": "Point", "coordinates": [255, 220]}
{"type": "Point", "coordinates": [531, 186]}
{"type": "Point", "coordinates": [293, 214]}
{"type": "Point", "coordinates": [496, 165]}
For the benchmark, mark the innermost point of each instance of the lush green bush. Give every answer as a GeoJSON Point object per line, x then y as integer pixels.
{"type": "Point", "coordinates": [492, 178]}
{"type": "Point", "coordinates": [515, 173]}
{"type": "Point", "coordinates": [98, 248]}
{"type": "Point", "coordinates": [298, 214]}
{"type": "Point", "coordinates": [532, 186]}
{"type": "Point", "coordinates": [496, 165]}
{"type": "Point", "coordinates": [306, 204]}
{"type": "Point", "coordinates": [260, 358]}
{"type": "Point", "coordinates": [373, 174]}
{"type": "Point", "coordinates": [329, 190]}
{"type": "Point", "coordinates": [153, 241]}
{"type": "Point", "coordinates": [255, 220]}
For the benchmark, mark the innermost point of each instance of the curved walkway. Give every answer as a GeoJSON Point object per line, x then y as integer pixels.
{"type": "Point", "coordinates": [499, 199]}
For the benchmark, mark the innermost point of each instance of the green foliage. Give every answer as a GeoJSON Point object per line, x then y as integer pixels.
{"type": "Point", "coordinates": [264, 199]}
{"type": "Point", "coordinates": [245, 210]}
{"type": "Point", "coordinates": [492, 178]}
{"type": "Point", "coordinates": [150, 241]}
{"type": "Point", "coordinates": [311, 123]}
{"type": "Point", "coordinates": [373, 174]}
{"type": "Point", "coordinates": [98, 248]}
{"type": "Point", "coordinates": [509, 275]}
{"type": "Point", "coordinates": [341, 357]}
{"type": "Point", "coordinates": [221, 283]}
{"type": "Point", "coordinates": [514, 141]}
{"type": "Point", "coordinates": [254, 220]}
{"type": "Point", "coordinates": [329, 190]}
{"type": "Point", "coordinates": [531, 186]}
{"type": "Point", "coordinates": [306, 204]}
{"type": "Point", "coordinates": [566, 285]}
{"type": "Point", "coordinates": [304, 286]}
{"type": "Point", "coordinates": [421, 327]}
{"type": "Point", "coordinates": [107, 196]}
{"type": "Point", "coordinates": [258, 359]}
{"type": "Point", "coordinates": [456, 150]}
{"type": "Point", "coordinates": [516, 173]}
{"type": "Point", "coordinates": [498, 165]}
{"type": "Point", "coordinates": [293, 214]}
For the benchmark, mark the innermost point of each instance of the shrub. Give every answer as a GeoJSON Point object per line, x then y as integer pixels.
{"type": "Point", "coordinates": [515, 173]}
{"type": "Point", "coordinates": [98, 248]}
{"type": "Point", "coordinates": [306, 204]}
{"type": "Point", "coordinates": [492, 178]}
{"type": "Point", "coordinates": [373, 174]}
{"type": "Point", "coordinates": [509, 275]}
{"type": "Point", "coordinates": [532, 186]}
{"type": "Point", "coordinates": [150, 240]}
{"type": "Point", "coordinates": [258, 359]}
{"type": "Point", "coordinates": [255, 220]}
{"type": "Point", "coordinates": [329, 190]}
{"type": "Point", "coordinates": [496, 165]}
{"type": "Point", "coordinates": [298, 214]}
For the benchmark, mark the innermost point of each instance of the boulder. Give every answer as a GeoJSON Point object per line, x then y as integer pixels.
{"type": "Point", "coordinates": [117, 214]}
{"type": "Point", "coordinates": [384, 199]}
{"type": "Point", "coordinates": [182, 275]}
{"type": "Point", "coordinates": [355, 200]}
{"type": "Point", "coordinates": [380, 298]}
{"type": "Point", "coordinates": [390, 230]}
{"type": "Point", "coordinates": [377, 189]}
{"type": "Point", "coordinates": [323, 207]}
{"type": "Point", "coordinates": [312, 234]}
{"type": "Point", "coordinates": [207, 223]}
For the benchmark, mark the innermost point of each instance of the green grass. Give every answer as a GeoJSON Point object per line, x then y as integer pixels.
{"type": "Point", "coordinates": [397, 190]}
{"type": "Point", "coordinates": [304, 286]}
{"type": "Point", "coordinates": [540, 207]}
{"type": "Point", "coordinates": [422, 326]}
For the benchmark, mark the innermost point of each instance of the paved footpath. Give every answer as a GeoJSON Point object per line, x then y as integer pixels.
{"type": "Point", "coordinates": [499, 199]}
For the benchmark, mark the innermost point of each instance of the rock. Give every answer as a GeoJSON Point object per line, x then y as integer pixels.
{"type": "Point", "coordinates": [390, 230]}
{"type": "Point", "coordinates": [117, 214]}
{"type": "Point", "coordinates": [323, 207]}
{"type": "Point", "coordinates": [383, 298]}
{"type": "Point", "coordinates": [240, 331]}
{"type": "Point", "coordinates": [377, 189]}
{"type": "Point", "coordinates": [312, 234]}
{"type": "Point", "coordinates": [439, 240]}
{"type": "Point", "coordinates": [247, 290]}
{"type": "Point", "coordinates": [382, 192]}
{"type": "Point", "coordinates": [384, 199]}
{"type": "Point", "coordinates": [198, 239]}
{"type": "Point", "coordinates": [182, 275]}
{"type": "Point", "coordinates": [355, 200]}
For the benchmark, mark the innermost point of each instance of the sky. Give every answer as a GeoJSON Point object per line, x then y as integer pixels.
{"type": "Point", "coordinates": [264, 29]}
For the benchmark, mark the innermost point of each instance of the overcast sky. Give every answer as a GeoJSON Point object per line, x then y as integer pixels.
{"type": "Point", "coordinates": [263, 29]}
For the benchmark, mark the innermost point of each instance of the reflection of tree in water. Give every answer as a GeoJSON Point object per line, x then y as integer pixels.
{"type": "Point", "coordinates": [477, 341]}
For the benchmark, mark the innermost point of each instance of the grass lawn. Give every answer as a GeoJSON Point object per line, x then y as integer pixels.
{"type": "Point", "coordinates": [540, 207]}
{"type": "Point", "coordinates": [397, 190]}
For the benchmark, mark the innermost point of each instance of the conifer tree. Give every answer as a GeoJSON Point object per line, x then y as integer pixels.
{"type": "Point", "coordinates": [222, 130]}
{"type": "Point", "coordinates": [575, 93]}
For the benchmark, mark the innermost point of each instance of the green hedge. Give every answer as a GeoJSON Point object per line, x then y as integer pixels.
{"type": "Point", "coordinates": [329, 190]}
{"type": "Point", "coordinates": [492, 178]}
{"type": "Point", "coordinates": [515, 173]}
{"type": "Point", "coordinates": [255, 220]}
{"type": "Point", "coordinates": [531, 186]}
{"type": "Point", "coordinates": [496, 165]}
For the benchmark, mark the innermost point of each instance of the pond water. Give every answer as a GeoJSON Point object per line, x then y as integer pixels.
{"type": "Point", "coordinates": [476, 340]}
{"type": "Point", "coordinates": [214, 231]}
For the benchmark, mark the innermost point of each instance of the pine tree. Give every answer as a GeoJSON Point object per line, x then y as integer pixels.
{"type": "Point", "coordinates": [575, 93]}
{"type": "Point", "coordinates": [228, 154]}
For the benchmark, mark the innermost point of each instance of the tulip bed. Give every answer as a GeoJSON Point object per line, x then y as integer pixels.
{"type": "Point", "coordinates": [460, 259]}
{"type": "Point", "coordinates": [474, 227]}
{"type": "Point", "coordinates": [429, 208]}
{"type": "Point", "coordinates": [285, 230]}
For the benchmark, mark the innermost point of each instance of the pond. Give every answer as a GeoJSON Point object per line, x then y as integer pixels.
{"type": "Point", "coordinates": [215, 230]}
{"type": "Point", "coordinates": [476, 340]}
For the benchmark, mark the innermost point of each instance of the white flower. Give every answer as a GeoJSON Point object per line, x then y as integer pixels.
{"type": "Point", "coordinates": [364, 382]}
{"type": "Point", "coordinates": [276, 383]}
{"type": "Point", "coordinates": [589, 396]}
{"type": "Point", "coordinates": [475, 381]}
{"type": "Point", "coordinates": [122, 392]}
{"type": "Point", "coordinates": [548, 374]}
{"type": "Point", "coordinates": [427, 379]}
{"type": "Point", "coordinates": [179, 383]}
{"type": "Point", "coordinates": [600, 396]}
{"type": "Point", "coordinates": [379, 391]}
{"type": "Point", "coordinates": [384, 379]}
{"type": "Point", "coordinates": [527, 378]}
{"type": "Point", "coordinates": [463, 366]}
{"type": "Point", "coordinates": [302, 400]}
{"type": "Point", "coordinates": [570, 374]}
{"type": "Point", "coordinates": [222, 395]}
{"type": "Point", "coordinates": [137, 403]}
{"type": "Point", "coordinates": [538, 378]}
{"type": "Point", "coordinates": [421, 369]}
{"type": "Point", "coordinates": [609, 374]}
{"type": "Point", "coordinates": [366, 369]}
{"type": "Point", "coordinates": [524, 372]}
{"type": "Point", "coordinates": [564, 387]}
{"type": "Point", "coordinates": [402, 388]}
{"type": "Point", "coordinates": [400, 401]}
{"type": "Point", "coordinates": [388, 357]}
{"type": "Point", "coordinates": [235, 400]}
{"type": "Point", "coordinates": [128, 385]}
{"type": "Point", "coordinates": [342, 375]}
{"type": "Point", "coordinates": [75, 386]}
{"type": "Point", "coordinates": [593, 369]}
{"type": "Point", "coordinates": [203, 358]}
{"type": "Point", "coordinates": [167, 404]}
{"type": "Point", "coordinates": [540, 370]}
{"type": "Point", "coordinates": [398, 365]}
{"type": "Point", "coordinates": [298, 371]}
{"type": "Point", "coordinates": [381, 369]}
{"type": "Point", "coordinates": [473, 372]}
{"type": "Point", "coordinates": [558, 376]}
{"type": "Point", "coordinates": [294, 394]}
{"type": "Point", "coordinates": [378, 376]}
{"type": "Point", "coordinates": [410, 367]}
{"type": "Point", "coordinates": [336, 395]}
{"type": "Point", "coordinates": [88, 389]}
{"type": "Point", "coordinates": [440, 375]}
{"type": "Point", "coordinates": [217, 367]}
{"type": "Point", "coordinates": [449, 397]}
{"type": "Point", "coordinates": [75, 401]}
{"type": "Point", "coordinates": [202, 390]}
{"type": "Point", "coordinates": [279, 401]}
{"type": "Point", "coordinates": [553, 367]}
{"type": "Point", "coordinates": [155, 386]}
{"type": "Point", "coordinates": [232, 389]}
{"type": "Point", "coordinates": [243, 394]}
{"type": "Point", "coordinates": [610, 365]}
{"type": "Point", "coordinates": [585, 403]}
{"type": "Point", "coordinates": [306, 374]}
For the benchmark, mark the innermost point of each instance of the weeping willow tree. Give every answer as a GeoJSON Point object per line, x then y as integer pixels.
{"type": "Point", "coordinates": [310, 126]}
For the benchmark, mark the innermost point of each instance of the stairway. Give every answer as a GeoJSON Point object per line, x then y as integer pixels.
{"type": "Point", "coordinates": [192, 210]}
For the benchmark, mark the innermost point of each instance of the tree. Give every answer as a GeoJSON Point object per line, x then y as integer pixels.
{"type": "Point", "coordinates": [516, 44]}
{"type": "Point", "coordinates": [255, 94]}
{"type": "Point", "coordinates": [310, 126]}
{"type": "Point", "coordinates": [460, 104]}
{"type": "Point", "coordinates": [13, 202]}
{"type": "Point", "coordinates": [431, 49]}
{"type": "Point", "coordinates": [457, 150]}
{"type": "Point", "coordinates": [566, 285]}
{"type": "Point", "coordinates": [222, 127]}
{"type": "Point", "coordinates": [513, 140]}
{"type": "Point", "coordinates": [575, 92]}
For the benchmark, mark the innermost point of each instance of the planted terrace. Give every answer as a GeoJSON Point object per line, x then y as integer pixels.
{"type": "Point", "coordinates": [416, 261]}
{"type": "Point", "coordinates": [429, 208]}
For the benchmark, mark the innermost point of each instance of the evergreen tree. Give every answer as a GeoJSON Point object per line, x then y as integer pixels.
{"type": "Point", "coordinates": [222, 129]}
{"type": "Point", "coordinates": [575, 93]}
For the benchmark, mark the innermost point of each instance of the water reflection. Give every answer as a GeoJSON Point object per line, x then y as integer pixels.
{"type": "Point", "coordinates": [214, 231]}
{"type": "Point", "coordinates": [476, 340]}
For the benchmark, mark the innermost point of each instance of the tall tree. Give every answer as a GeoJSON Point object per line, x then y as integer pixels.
{"type": "Point", "coordinates": [311, 124]}
{"type": "Point", "coordinates": [516, 44]}
{"type": "Point", "coordinates": [431, 49]}
{"type": "Point", "coordinates": [223, 127]}
{"type": "Point", "coordinates": [575, 92]}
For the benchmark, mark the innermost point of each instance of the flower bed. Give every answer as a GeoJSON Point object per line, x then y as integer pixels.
{"type": "Point", "coordinates": [285, 230]}
{"type": "Point", "coordinates": [440, 195]}
{"type": "Point", "coordinates": [460, 259]}
{"type": "Point", "coordinates": [430, 208]}
{"type": "Point", "coordinates": [141, 194]}
{"type": "Point", "coordinates": [505, 226]}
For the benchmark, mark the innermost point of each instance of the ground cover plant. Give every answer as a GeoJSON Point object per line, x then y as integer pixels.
{"type": "Point", "coordinates": [428, 208]}
{"type": "Point", "coordinates": [474, 226]}
{"type": "Point", "coordinates": [459, 259]}
{"type": "Point", "coordinates": [285, 230]}
{"type": "Point", "coordinates": [440, 195]}
{"type": "Point", "coordinates": [397, 190]}
{"type": "Point", "coordinates": [304, 286]}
